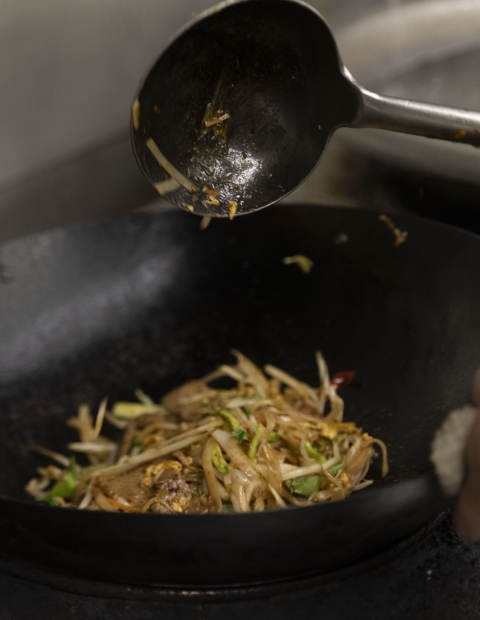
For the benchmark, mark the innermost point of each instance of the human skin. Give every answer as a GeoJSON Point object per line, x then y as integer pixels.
{"type": "Point", "coordinates": [466, 517]}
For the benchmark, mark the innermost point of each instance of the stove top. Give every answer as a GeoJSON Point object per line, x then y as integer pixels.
{"type": "Point", "coordinates": [431, 575]}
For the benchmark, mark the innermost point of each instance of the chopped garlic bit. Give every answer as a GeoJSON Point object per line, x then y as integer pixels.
{"type": "Point", "coordinates": [212, 201]}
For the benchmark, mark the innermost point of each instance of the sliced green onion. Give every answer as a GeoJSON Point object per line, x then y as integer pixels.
{"type": "Point", "coordinates": [314, 454]}
{"type": "Point", "coordinates": [218, 461]}
{"type": "Point", "coordinates": [252, 451]}
{"type": "Point", "coordinates": [239, 434]}
{"type": "Point", "coordinates": [334, 469]}
{"type": "Point", "coordinates": [136, 443]}
{"type": "Point", "coordinates": [305, 486]}
{"type": "Point", "coordinates": [273, 437]}
{"type": "Point", "coordinates": [74, 469]}
{"type": "Point", "coordinates": [63, 488]}
{"type": "Point", "coordinates": [228, 417]}
{"type": "Point", "coordinates": [248, 410]}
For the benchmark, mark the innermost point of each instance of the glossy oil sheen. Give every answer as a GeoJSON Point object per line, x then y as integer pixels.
{"type": "Point", "coordinates": [274, 67]}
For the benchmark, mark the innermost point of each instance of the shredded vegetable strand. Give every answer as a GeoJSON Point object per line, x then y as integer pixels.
{"type": "Point", "coordinates": [209, 472]}
{"type": "Point", "coordinates": [269, 442]}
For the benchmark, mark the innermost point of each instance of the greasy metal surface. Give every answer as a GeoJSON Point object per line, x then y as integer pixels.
{"type": "Point", "coordinates": [419, 119]}
{"type": "Point", "coordinates": [273, 66]}
{"type": "Point", "coordinates": [430, 576]}
{"type": "Point", "coordinates": [150, 301]}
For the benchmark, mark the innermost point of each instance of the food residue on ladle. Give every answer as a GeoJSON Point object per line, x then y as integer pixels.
{"type": "Point", "coordinates": [214, 119]}
{"type": "Point", "coordinates": [136, 114]}
{"type": "Point", "coordinates": [167, 187]}
{"type": "Point", "coordinates": [170, 168]}
{"type": "Point", "coordinates": [212, 201]}
{"type": "Point", "coordinates": [213, 193]}
{"type": "Point", "coordinates": [217, 120]}
{"type": "Point", "coordinates": [178, 180]}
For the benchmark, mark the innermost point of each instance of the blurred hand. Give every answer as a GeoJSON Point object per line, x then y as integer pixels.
{"type": "Point", "coordinates": [467, 511]}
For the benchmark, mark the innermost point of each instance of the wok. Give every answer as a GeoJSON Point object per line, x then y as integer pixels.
{"type": "Point", "coordinates": [150, 301]}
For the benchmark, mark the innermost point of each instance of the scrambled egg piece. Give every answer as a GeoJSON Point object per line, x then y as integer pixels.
{"type": "Point", "coordinates": [304, 263]}
{"type": "Point", "coordinates": [153, 471]}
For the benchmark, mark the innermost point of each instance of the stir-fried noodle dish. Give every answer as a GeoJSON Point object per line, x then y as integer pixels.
{"type": "Point", "coordinates": [268, 442]}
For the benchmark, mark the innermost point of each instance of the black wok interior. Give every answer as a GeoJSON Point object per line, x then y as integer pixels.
{"type": "Point", "coordinates": [150, 301]}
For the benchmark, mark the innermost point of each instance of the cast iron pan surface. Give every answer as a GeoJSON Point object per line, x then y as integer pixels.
{"type": "Point", "coordinates": [150, 301]}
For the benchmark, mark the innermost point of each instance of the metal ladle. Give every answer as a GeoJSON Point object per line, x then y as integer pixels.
{"type": "Point", "coordinates": [239, 108]}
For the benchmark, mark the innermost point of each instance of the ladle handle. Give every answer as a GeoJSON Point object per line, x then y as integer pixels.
{"type": "Point", "coordinates": [419, 119]}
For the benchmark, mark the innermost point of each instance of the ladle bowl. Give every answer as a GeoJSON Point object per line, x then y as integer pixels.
{"type": "Point", "coordinates": [239, 108]}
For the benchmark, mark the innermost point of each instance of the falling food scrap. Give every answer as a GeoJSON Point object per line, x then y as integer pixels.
{"type": "Point", "coordinates": [190, 208]}
{"type": "Point", "coordinates": [206, 219]}
{"type": "Point", "coordinates": [136, 114]}
{"type": "Point", "coordinates": [233, 209]}
{"type": "Point", "coordinates": [304, 263]}
{"type": "Point", "coordinates": [400, 237]}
